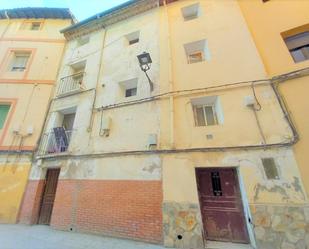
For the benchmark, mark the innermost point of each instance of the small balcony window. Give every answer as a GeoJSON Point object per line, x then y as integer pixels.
{"type": "Point", "coordinates": [19, 61]}
{"type": "Point", "coordinates": [59, 138]}
{"type": "Point", "coordinates": [131, 92]}
{"type": "Point", "coordinates": [74, 82]}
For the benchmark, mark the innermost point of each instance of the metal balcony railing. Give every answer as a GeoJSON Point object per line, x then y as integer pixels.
{"type": "Point", "coordinates": [71, 83]}
{"type": "Point", "coordinates": [56, 141]}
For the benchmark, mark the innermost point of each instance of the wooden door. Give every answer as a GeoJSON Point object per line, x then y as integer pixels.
{"type": "Point", "coordinates": [221, 205]}
{"type": "Point", "coordinates": [48, 198]}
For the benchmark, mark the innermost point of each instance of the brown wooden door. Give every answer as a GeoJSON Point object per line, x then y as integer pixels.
{"type": "Point", "coordinates": [49, 196]}
{"type": "Point", "coordinates": [221, 205]}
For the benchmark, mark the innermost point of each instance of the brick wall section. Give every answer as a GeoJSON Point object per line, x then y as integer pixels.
{"type": "Point", "coordinates": [127, 209]}
{"type": "Point", "coordinates": [30, 208]}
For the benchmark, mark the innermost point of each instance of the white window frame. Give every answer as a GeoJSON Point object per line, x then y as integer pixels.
{"type": "Point", "coordinates": [205, 116]}
{"type": "Point", "coordinates": [19, 68]}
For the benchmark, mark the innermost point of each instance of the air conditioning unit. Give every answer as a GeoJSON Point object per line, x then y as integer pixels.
{"type": "Point", "coordinates": [16, 129]}
{"type": "Point", "coordinates": [152, 140]}
{"type": "Point", "coordinates": [105, 126]}
{"type": "Point", "coordinates": [249, 101]}
{"type": "Point", "coordinates": [30, 130]}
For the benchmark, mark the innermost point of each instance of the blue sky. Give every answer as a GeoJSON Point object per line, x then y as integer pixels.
{"type": "Point", "coordinates": [82, 9]}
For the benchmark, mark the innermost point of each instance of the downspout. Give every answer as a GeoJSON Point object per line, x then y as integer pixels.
{"type": "Point", "coordinates": [89, 129]}
{"type": "Point", "coordinates": [284, 108]}
{"type": "Point", "coordinates": [8, 24]}
{"type": "Point", "coordinates": [170, 79]}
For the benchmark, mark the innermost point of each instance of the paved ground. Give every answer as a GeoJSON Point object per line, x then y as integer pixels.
{"type": "Point", "coordinates": [43, 237]}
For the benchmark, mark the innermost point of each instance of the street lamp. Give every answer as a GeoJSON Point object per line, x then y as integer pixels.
{"type": "Point", "coordinates": [145, 64]}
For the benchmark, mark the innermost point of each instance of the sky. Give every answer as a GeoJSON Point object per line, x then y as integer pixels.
{"type": "Point", "coordinates": [81, 9]}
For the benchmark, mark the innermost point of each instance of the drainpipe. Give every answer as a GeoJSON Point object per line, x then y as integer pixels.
{"type": "Point", "coordinates": [284, 108]}
{"type": "Point", "coordinates": [170, 79]}
{"type": "Point", "coordinates": [89, 129]}
{"type": "Point", "coordinates": [8, 24]}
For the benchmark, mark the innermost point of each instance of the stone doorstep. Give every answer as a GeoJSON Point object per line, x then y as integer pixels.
{"type": "Point", "coordinates": [224, 245]}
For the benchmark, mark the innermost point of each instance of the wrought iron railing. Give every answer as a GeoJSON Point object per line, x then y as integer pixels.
{"type": "Point", "coordinates": [54, 142]}
{"type": "Point", "coordinates": [71, 83]}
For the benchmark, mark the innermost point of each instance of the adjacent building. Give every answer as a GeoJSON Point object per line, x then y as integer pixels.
{"type": "Point", "coordinates": [201, 149]}
{"type": "Point", "coordinates": [31, 48]}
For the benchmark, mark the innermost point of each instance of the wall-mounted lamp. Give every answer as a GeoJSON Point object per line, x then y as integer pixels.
{"type": "Point", "coordinates": [145, 61]}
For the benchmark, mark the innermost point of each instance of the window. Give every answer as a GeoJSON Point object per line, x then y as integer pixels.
{"type": "Point", "coordinates": [4, 110]}
{"type": "Point", "coordinates": [83, 40]}
{"type": "Point", "coordinates": [197, 51]}
{"type": "Point", "coordinates": [216, 183]}
{"type": "Point", "coordinates": [190, 12]}
{"type": "Point", "coordinates": [133, 37]}
{"type": "Point", "coordinates": [205, 115]}
{"type": "Point", "coordinates": [207, 111]}
{"type": "Point", "coordinates": [298, 46]}
{"type": "Point", "coordinates": [131, 92]}
{"type": "Point", "coordinates": [31, 25]}
{"type": "Point", "coordinates": [20, 60]}
{"type": "Point", "coordinates": [270, 168]}
{"type": "Point", "coordinates": [35, 26]}
{"type": "Point", "coordinates": [128, 88]}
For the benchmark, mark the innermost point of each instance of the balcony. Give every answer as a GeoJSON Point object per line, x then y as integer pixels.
{"type": "Point", "coordinates": [55, 142]}
{"type": "Point", "coordinates": [71, 84]}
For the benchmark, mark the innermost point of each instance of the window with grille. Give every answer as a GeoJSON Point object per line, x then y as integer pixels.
{"type": "Point", "coordinates": [4, 110]}
{"type": "Point", "coordinates": [216, 183]}
{"type": "Point", "coordinates": [298, 46]}
{"type": "Point", "coordinates": [270, 168]}
{"type": "Point", "coordinates": [131, 92]}
{"type": "Point", "coordinates": [19, 62]}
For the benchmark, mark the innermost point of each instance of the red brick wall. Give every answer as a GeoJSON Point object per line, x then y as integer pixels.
{"type": "Point", "coordinates": [30, 207]}
{"type": "Point", "coordinates": [128, 209]}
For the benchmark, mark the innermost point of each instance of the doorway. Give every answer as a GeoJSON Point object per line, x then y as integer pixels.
{"type": "Point", "coordinates": [48, 198]}
{"type": "Point", "coordinates": [221, 205]}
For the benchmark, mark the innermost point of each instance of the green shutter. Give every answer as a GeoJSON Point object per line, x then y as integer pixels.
{"type": "Point", "coordinates": [4, 110]}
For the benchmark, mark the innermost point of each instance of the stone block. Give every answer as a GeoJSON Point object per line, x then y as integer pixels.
{"type": "Point", "coordinates": [287, 245]}
{"type": "Point", "coordinates": [262, 219]}
{"type": "Point", "coordinates": [295, 236]}
{"type": "Point", "coordinates": [260, 233]}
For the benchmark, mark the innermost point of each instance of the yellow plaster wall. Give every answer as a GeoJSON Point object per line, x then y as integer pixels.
{"type": "Point", "coordinates": [13, 179]}
{"type": "Point", "coordinates": [234, 57]}
{"type": "Point", "coordinates": [266, 22]}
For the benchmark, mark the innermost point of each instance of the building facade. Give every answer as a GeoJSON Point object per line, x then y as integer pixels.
{"type": "Point", "coordinates": [30, 53]}
{"type": "Point", "coordinates": [202, 151]}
